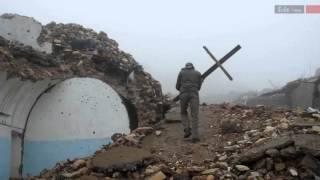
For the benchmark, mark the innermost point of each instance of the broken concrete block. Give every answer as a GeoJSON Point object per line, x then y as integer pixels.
{"type": "Point", "coordinates": [242, 168]}
{"type": "Point", "coordinates": [258, 152]}
{"type": "Point", "coordinates": [78, 163]}
{"type": "Point", "coordinates": [158, 133]}
{"type": "Point", "coordinates": [122, 157]}
{"type": "Point", "coordinates": [152, 169]}
{"type": "Point", "coordinates": [293, 171]}
{"type": "Point", "coordinates": [158, 176]}
{"type": "Point", "coordinates": [77, 173]}
{"type": "Point", "coordinates": [210, 171]}
{"type": "Point", "coordinates": [279, 166]}
{"type": "Point", "coordinates": [316, 129]}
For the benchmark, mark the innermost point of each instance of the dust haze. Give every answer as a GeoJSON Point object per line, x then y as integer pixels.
{"type": "Point", "coordinates": [164, 35]}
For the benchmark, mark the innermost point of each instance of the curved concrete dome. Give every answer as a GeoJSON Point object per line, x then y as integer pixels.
{"type": "Point", "coordinates": [73, 119]}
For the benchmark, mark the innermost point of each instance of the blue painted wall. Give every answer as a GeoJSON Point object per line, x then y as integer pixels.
{"type": "Point", "coordinates": [45, 154]}
{"type": "Point", "coordinates": [5, 158]}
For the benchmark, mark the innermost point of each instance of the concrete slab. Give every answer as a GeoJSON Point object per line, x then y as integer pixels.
{"type": "Point", "coordinates": [122, 157]}
{"type": "Point", "coordinates": [258, 152]}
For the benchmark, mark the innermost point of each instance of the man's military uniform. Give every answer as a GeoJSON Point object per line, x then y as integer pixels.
{"type": "Point", "coordinates": [189, 83]}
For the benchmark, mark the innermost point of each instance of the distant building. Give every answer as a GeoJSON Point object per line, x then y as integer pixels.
{"type": "Point", "coordinates": [317, 72]}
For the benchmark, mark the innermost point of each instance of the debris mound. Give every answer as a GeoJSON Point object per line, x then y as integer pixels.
{"type": "Point", "coordinates": [267, 145]}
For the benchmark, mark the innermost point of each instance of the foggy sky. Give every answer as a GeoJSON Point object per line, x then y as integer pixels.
{"type": "Point", "coordinates": [164, 35]}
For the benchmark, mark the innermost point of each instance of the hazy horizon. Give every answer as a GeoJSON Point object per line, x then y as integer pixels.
{"type": "Point", "coordinates": [164, 35]}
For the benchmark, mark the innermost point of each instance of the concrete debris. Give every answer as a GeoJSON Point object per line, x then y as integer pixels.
{"type": "Point", "coordinates": [158, 176]}
{"type": "Point", "coordinates": [293, 171]}
{"type": "Point", "coordinates": [82, 52]}
{"type": "Point", "coordinates": [158, 133]}
{"type": "Point", "coordinates": [119, 158]}
{"type": "Point", "coordinates": [242, 168]}
{"type": "Point", "coordinates": [287, 153]}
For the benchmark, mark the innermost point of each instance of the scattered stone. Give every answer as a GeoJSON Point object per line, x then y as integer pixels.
{"type": "Point", "coordinates": [230, 126]}
{"type": "Point", "coordinates": [210, 177]}
{"type": "Point", "coordinates": [210, 171]}
{"type": "Point", "coordinates": [316, 129]}
{"type": "Point", "coordinates": [272, 152]}
{"type": "Point", "coordinates": [143, 130]}
{"type": "Point", "coordinates": [158, 176]}
{"type": "Point", "coordinates": [78, 164]}
{"type": "Point", "coordinates": [257, 153]}
{"type": "Point", "coordinates": [158, 133]}
{"type": "Point", "coordinates": [196, 169]}
{"type": "Point", "coordinates": [222, 165]}
{"type": "Point", "coordinates": [279, 166]}
{"type": "Point", "coordinates": [269, 129]}
{"type": "Point", "coordinates": [77, 173]}
{"type": "Point", "coordinates": [293, 171]}
{"type": "Point", "coordinates": [242, 168]}
{"type": "Point", "coordinates": [223, 158]}
{"type": "Point", "coordinates": [152, 169]}
{"type": "Point", "coordinates": [284, 125]}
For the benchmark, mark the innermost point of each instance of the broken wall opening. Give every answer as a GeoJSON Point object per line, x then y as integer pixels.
{"type": "Point", "coordinates": [132, 113]}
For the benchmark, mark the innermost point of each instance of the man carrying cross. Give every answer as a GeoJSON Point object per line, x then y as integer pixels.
{"type": "Point", "coordinates": [189, 83]}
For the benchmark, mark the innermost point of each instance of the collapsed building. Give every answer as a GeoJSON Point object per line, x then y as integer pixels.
{"type": "Point", "coordinates": [301, 93]}
{"type": "Point", "coordinates": [64, 91]}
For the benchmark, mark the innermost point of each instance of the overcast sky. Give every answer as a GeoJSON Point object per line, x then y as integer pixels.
{"type": "Point", "coordinates": [163, 35]}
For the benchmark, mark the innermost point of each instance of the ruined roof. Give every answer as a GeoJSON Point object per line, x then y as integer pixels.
{"type": "Point", "coordinates": [75, 51]}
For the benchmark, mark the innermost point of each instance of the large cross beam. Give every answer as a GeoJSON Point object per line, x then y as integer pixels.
{"type": "Point", "coordinates": [216, 66]}
{"type": "Point", "coordinates": [217, 62]}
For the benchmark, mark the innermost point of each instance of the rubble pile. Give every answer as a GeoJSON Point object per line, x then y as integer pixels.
{"type": "Point", "coordinates": [273, 143]}
{"type": "Point", "coordinates": [122, 159]}
{"type": "Point", "coordinates": [82, 52]}
{"type": "Point", "coordinates": [265, 143]}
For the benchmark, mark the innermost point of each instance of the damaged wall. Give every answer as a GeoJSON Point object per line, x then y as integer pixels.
{"type": "Point", "coordinates": [5, 149]}
{"type": "Point", "coordinates": [73, 119]}
{"type": "Point", "coordinates": [16, 100]}
{"type": "Point", "coordinates": [302, 93]}
{"type": "Point", "coordinates": [48, 113]}
{"type": "Point", "coordinates": [23, 29]}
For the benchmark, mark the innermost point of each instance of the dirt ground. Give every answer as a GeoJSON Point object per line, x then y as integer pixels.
{"type": "Point", "coordinates": [171, 145]}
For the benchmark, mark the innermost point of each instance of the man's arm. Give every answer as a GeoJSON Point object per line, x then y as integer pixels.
{"type": "Point", "coordinates": [200, 81]}
{"type": "Point", "coordinates": [178, 84]}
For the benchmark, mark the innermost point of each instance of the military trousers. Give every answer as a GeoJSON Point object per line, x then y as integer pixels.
{"type": "Point", "coordinates": [190, 99]}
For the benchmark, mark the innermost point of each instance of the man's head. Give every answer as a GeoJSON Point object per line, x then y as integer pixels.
{"type": "Point", "coordinates": [189, 65]}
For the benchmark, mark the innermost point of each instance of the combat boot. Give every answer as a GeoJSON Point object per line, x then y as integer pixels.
{"type": "Point", "coordinates": [187, 133]}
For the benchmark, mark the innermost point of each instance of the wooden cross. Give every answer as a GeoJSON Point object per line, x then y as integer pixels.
{"type": "Point", "coordinates": [217, 65]}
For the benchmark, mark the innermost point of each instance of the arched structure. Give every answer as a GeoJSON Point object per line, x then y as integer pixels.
{"type": "Point", "coordinates": [47, 121]}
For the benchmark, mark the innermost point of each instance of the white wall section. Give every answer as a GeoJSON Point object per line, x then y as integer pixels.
{"type": "Point", "coordinates": [66, 119]}
{"type": "Point", "coordinates": [23, 29]}
{"type": "Point", "coordinates": [72, 119]}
